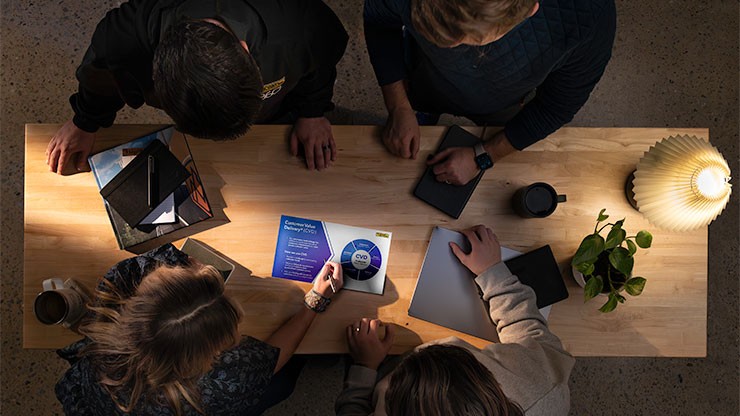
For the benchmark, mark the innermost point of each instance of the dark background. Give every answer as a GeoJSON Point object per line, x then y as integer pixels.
{"type": "Point", "coordinates": [675, 64]}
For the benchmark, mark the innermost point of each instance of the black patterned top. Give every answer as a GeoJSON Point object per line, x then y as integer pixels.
{"type": "Point", "coordinates": [232, 387]}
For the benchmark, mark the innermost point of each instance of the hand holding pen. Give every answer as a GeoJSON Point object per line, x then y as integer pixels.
{"type": "Point", "coordinates": [329, 280]}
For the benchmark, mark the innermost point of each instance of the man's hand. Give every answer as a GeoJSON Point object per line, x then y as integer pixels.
{"type": "Point", "coordinates": [485, 250]}
{"type": "Point", "coordinates": [314, 134]}
{"type": "Point", "coordinates": [366, 348]}
{"type": "Point", "coordinates": [70, 145]}
{"type": "Point", "coordinates": [401, 135]}
{"type": "Point", "coordinates": [454, 165]}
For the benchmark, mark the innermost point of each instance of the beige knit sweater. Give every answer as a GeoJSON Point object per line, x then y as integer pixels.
{"type": "Point", "coordinates": [529, 363]}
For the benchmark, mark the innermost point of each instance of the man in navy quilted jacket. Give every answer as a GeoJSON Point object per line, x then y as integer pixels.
{"type": "Point", "coordinates": [526, 65]}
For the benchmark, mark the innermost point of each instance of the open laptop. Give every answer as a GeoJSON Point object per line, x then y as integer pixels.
{"type": "Point", "coordinates": [446, 293]}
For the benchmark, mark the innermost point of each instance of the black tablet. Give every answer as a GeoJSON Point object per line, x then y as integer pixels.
{"type": "Point", "coordinates": [450, 199]}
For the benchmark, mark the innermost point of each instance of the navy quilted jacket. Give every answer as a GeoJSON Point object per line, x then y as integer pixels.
{"type": "Point", "coordinates": [561, 51]}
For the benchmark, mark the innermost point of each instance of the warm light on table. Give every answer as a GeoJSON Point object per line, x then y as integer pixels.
{"type": "Point", "coordinates": [682, 183]}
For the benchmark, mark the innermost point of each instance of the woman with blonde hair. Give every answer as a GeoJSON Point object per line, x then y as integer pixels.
{"type": "Point", "coordinates": [162, 338]}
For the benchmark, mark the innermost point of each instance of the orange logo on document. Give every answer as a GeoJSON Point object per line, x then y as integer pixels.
{"type": "Point", "coordinates": [271, 89]}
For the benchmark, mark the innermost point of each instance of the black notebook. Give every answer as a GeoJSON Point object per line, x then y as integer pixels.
{"type": "Point", "coordinates": [144, 183]}
{"type": "Point", "coordinates": [449, 199]}
{"type": "Point", "coordinates": [539, 270]}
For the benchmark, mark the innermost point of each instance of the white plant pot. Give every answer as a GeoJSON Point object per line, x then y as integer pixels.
{"type": "Point", "coordinates": [578, 276]}
{"type": "Point", "coordinates": [580, 279]}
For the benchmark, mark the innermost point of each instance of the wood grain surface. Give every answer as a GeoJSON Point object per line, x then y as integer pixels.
{"type": "Point", "coordinates": [251, 181]}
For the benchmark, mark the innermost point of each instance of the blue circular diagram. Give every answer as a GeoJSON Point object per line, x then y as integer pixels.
{"type": "Point", "coordinates": [361, 260]}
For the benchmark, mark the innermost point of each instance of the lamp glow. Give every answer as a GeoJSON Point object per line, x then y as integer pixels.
{"type": "Point", "coordinates": [682, 183]}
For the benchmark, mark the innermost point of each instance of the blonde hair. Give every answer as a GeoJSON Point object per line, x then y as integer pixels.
{"type": "Point", "coordinates": [442, 380]}
{"type": "Point", "coordinates": [446, 22]}
{"type": "Point", "coordinates": [157, 343]}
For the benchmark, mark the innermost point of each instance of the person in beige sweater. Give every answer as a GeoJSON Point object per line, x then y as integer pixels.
{"type": "Point", "coordinates": [525, 373]}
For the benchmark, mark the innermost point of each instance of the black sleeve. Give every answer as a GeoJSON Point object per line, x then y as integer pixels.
{"type": "Point", "coordinates": [326, 42]}
{"type": "Point", "coordinates": [97, 99]}
{"type": "Point", "coordinates": [237, 382]}
{"type": "Point", "coordinates": [384, 38]}
{"type": "Point", "coordinates": [566, 89]}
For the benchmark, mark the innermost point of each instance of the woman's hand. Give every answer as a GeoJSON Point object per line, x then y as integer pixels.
{"type": "Point", "coordinates": [330, 280]}
{"type": "Point", "coordinates": [485, 250]}
{"type": "Point", "coordinates": [365, 345]}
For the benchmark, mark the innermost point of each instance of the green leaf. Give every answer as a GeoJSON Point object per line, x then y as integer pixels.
{"type": "Point", "coordinates": [589, 250]}
{"type": "Point", "coordinates": [586, 268]}
{"type": "Point", "coordinates": [635, 285]}
{"type": "Point", "coordinates": [610, 304]}
{"type": "Point", "coordinates": [644, 239]}
{"type": "Point", "coordinates": [602, 216]}
{"type": "Point", "coordinates": [615, 237]}
{"type": "Point", "coordinates": [631, 247]}
{"type": "Point", "coordinates": [593, 287]}
{"type": "Point", "coordinates": [620, 298]}
{"type": "Point", "coordinates": [621, 260]}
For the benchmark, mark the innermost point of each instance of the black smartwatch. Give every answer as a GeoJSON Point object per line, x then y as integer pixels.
{"type": "Point", "coordinates": [482, 159]}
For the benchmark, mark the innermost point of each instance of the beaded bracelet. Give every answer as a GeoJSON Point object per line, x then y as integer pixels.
{"type": "Point", "coordinates": [314, 301]}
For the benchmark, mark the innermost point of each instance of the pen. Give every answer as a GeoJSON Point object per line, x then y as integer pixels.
{"type": "Point", "coordinates": [331, 280]}
{"type": "Point", "coordinates": [150, 197]}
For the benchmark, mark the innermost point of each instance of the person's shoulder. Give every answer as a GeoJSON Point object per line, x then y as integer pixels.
{"type": "Point", "coordinates": [574, 20]}
{"type": "Point", "coordinates": [378, 8]}
{"type": "Point", "coordinates": [584, 11]}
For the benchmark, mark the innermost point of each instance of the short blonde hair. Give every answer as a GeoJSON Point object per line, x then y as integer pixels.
{"type": "Point", "coordinates": [446, 22]}
{"type": "Point", "coordinates": [163, 338]}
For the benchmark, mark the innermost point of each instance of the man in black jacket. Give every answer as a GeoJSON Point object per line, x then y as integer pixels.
{"type": "Point", "coordinates": [528, 65]}
{"type": "Point", "coordinates": [215, 67]}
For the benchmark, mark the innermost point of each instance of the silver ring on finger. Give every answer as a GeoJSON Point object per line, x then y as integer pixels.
{"type": "Point", "coordinates": [357, 329]}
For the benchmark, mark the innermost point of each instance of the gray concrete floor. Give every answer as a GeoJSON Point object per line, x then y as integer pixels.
{"type": "Point", "coordinates": [675, 64]}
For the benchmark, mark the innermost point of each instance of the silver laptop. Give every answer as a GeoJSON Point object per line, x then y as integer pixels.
{"type": "Point", "coordinates": [446, 293]}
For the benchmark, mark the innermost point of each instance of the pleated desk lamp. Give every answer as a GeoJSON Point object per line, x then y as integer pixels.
{"type": "Point", "coordinates": [680, 184]}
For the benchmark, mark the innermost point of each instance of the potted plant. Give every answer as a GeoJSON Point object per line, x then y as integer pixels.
{"type": "Point", "coordinates": [605, 266]}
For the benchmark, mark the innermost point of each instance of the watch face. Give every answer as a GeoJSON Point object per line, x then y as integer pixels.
{"type": "Point", "coordinates": [484, 161]}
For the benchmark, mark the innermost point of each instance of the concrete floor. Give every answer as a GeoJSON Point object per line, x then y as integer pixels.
{"type": "Point", "coordinates": [675, 64]}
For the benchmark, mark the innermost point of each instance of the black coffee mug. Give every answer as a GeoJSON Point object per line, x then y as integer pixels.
{"type": "Point", "coordinates": [537, 200]}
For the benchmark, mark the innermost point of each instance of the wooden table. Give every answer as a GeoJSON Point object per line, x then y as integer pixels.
{"type": "Point", "coordinates": [253, 180]}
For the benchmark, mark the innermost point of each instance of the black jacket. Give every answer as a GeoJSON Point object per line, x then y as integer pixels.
{"type": "Point", "coordinates": [296, 44]}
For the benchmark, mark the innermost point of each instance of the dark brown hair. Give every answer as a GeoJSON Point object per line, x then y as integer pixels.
{"type": "Point", "coordinates": [446, 22]}
{"type": "Point", "coordinates": [206, 81]}
{"type": "Point", "coordinates": [443, 380]}
{"type": "Point", "coordinates": [156, 344]}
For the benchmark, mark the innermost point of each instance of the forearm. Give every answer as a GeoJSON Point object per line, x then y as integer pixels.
{"type": "Point", "coordinates": [499, 146]}
{"type": "Point", "coordinates": [290, 335]}
{"type": "Point", "coordinates": [566, 89]}
{"type": "Point", "coordinates": [513, 307]}
{"type": "Point", "coordinates": [326, 43]}
{"type": "Point", "coordinates": [395, 96]}
{"type": "Point", "coordinates": [383, 29]}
